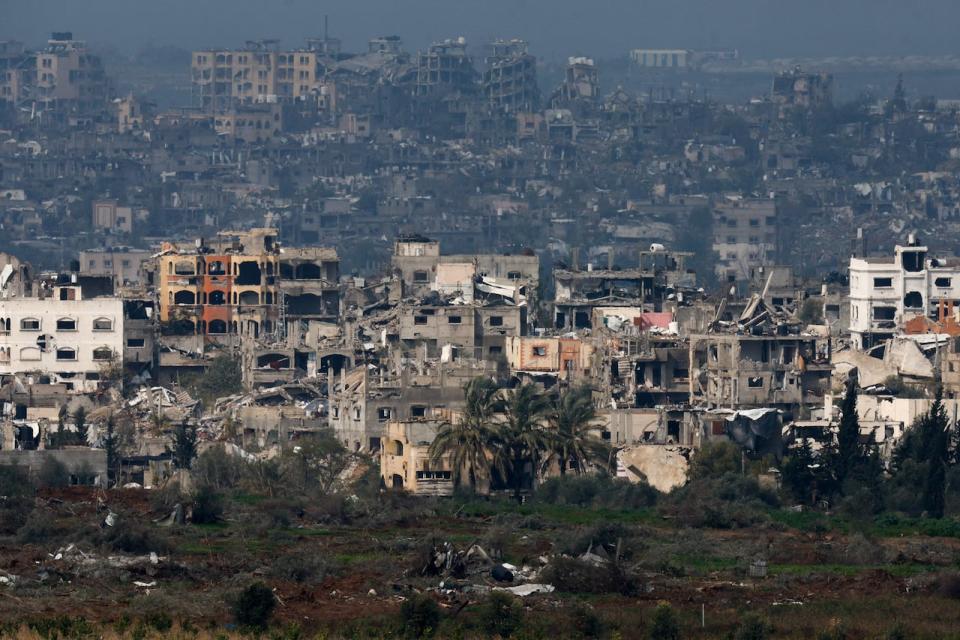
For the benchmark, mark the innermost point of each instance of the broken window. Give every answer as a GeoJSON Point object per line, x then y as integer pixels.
{"type": "Point", "coordinates": [673, 430]}
{"type": "Point", "coordinates": [217, 298]}
{"type": "Point", "coordinates": [420, 320]}
{"type": "Point", "coordinates": [418, 411]}
{"type": "Point", "coordinates": [514, 275]}
{"type": "Point", "coordinates": [913, 300]}
{"type": "Point", "coordinates": [66, 324]}
{"type": "Point", "coordinates": [217, 326]}
{"type": "Point", "coordinates": [135, 343]}
{"type": "Point", "coordinates": [248, 274]}
{"type": "Point", "coordinates": [942, 282]}
{"type": "Point", "coordinates": [66, 353]}
{"type": "Point", "coordinates": [100, 354]}
{"type": "Point", "coordinates": [184, 268]}
{"type": "Point", "coordinates": [755, 382]}
{"type": "Point", "coordinates": [539, 351]}
{"type": "Point", "coordinates": [884, 313]}
{"type": "Point", "coordinates": [913, 260]}
{"type": "Point", "coordinates": [46, 343]}
{"type": "Point", "coordinates": [495, 350]}
{"type": "Point", "coordinates": [454, 319]}
{"type": "Point", "coordinates": [30, 324]}
{"type": "Point", "coordinates": [681, 374]}
{"type": "Point", "coordinates": [882, 283]}
{"type": "Point", "coordinates": [103, 324]}
{"type": "Point", "coordinates": [496, 321]}
{"type": "Point", "coordinates": [383, 414]}
{"type": "Point", "coordinates": [420, 276]}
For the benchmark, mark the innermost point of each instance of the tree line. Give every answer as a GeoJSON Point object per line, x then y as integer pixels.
{"type": "Point", "coordinates": [512, 435]}
{"type": "Point", "coordinates": [924, 467]}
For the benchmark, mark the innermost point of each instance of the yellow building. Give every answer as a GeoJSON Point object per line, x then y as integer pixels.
{"type": "Point", "coordinates": [405, 460]}
{"type": "Point", "coordinates": [257, 73]}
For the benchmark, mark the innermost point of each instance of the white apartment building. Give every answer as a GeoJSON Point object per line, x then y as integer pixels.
{"type": "Point", "coordinates": [61, 338]}
{"type": "Point", "coordinates": [887, 292]}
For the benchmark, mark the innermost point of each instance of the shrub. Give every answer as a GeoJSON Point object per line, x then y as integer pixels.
{"type": "Point", "coordinates": [570, 575]}
{"type": "Point", "coordinates": [587, 623]}
{"type": "Point", "coordinates": [254, 606]}
{"type": "Point", "coordinates": [603, 536]}
{"type": "Point", "coordinates": [53, 473]}
{"type": "Point", "coordinates": [752, 627]}
{"type": "Point", "coordinates": [38, 527]}
{"type": "Point", "coordinates": [207, 506]}
{"type": "Point", "coordinates": [597, 491]}
{"type": "Point", "coordinates": [501, 614]}
{"type": "Point", "coordinates": [664, 625]}
{"type": "Point", "coordinates": [714, 460]}
{"type": "Point", "coordinates": [130, 536]}
{"type": "Point", "coordinates": [419, 616]}
{"type": "Point", "coordinates": [16, 498]}
{"type": "Point", "coordinates": [303, 568]}
{"type": "Point", "coordinates": [948, 585]}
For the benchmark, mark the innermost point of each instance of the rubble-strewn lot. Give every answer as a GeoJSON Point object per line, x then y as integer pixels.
{"type": "Point", "coordinates": [346, 566]}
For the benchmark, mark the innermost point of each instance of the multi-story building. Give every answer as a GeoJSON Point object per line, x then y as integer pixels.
{"type": "Point", "coordinates": [796, 88]}
{"type": "Point", "coordinates": [887, 292]}
{"type": "Point", "coordinates": [744, 235]}
{"type": "Point", "coordinates": [259, 72]}
{"type": "Point", "coordinates": [70, 79]}
{"type": "Point", "coordinates": [17, 72]}
{"type": "Point", "coordinates": [242, 284]}
{"type": "Point", "coordinates": [510, 80]}
{"type": "Point", "coordinates": [113, 217]}
{"type": "Point", "coordinates": [120, 263]}
{"type": "Point", "coordinates": [662, 58]}
{"type": "Point", "coordinates": [406, 463]}
{"type": "Point", "coordinates": [60, 337]}
{"type": "Point", "coordinates": [444, 65]}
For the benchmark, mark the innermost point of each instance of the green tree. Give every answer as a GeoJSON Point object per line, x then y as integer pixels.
{"type": "Point", "coordinates": [571, 438]}
{"type": "Point", "coordinates": [184, 445]}
{"type": "Point", "coordinates": [798, 472]}
{"type": "Point", "coordinates": [80, 424]}
{"type": "Point", "coordinates": [223, 377]}
{"type": "Point", "coordinates": [315, 464]}
{"type": "Point", "coordinates": [714, 459]}
{"type": "Point", "coordinates": [470, 440]}
{"type": "Point", "coordinates": [937, 451]}
{"type": "Point", "coordinates": [522, 436]}
{"type": "Point", "coordinates": [665, 625]}
{"type": "Point", "coordinates": [111, 444]}
{"type": "Point", "coordinates": [848, 452]}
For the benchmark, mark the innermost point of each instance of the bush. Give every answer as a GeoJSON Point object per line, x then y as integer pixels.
{"type": "Point", "coordinates": [570, 575]}
{"type": "Point", "coordinates": [664, 625]}
{"type": "Point", "coordinates": [39, 527]}
{"type": "Point", "coordinates": [207, 506]}
{"type": "Point", "coordinates": [596, 491]}
{"type": "Point", "coordinates": [298, 567]}
{"type": "Point", "coordinates": [419, 616]}
{"type": "Point", "coordinates": [728, 502]}
{"type": "Point", "coordinates": [587, 623]}
{"type": "Point", "coordinates": [501, 614]}
{"type": "Point", "coordinates": [604, 536]}
{"type": "Point", "coordinates": [129, 536]}
{"type": "Point", "coordinates": [715, 460]}
{"type": "Point", "coordinates": [16, 498]}
{"type": "Point", "coordinates": [254, 606]}
{"type": "Point", "coordinates": [948, 585]}
{"type": "Point", "coordinates": [53, 473]}
{"type": "Point", "coordinates": [752, 627]}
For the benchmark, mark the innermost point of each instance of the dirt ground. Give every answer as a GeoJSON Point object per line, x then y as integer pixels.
{"type": "Point", "coordinates": [350, 578]}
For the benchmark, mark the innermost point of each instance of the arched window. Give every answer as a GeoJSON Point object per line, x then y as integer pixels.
{"type": "Point", "coordinates": [217, 298]}
{"type": "Point", "coordinates": [29, 354]}
{"type": "Point", "coordinates": [66, 353]}
{"type": "Point", "coordinates": [30, 324]}
{"type": "Point", "coordinates": [66, 324]}
{"type": "Point", "coordinates": [101, 354]}
{"type": "Point", "coordinates": [217, 326]}
{"type": "Point", "coordinates": [184, 297]}
{"type": "Point", "coordinates": [103, 324]}
{"type": "Point", "coordinates": [185, 268]}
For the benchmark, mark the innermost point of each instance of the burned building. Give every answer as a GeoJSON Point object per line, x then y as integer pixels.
{"type": "Point", "coordinates": [245, 285]}
{"type": "Point", "coordinates": [445, 66]}
{"type": "Point", "coordinates": [659, 275]}
{"type": "Point", "coordinates": [509, 81]}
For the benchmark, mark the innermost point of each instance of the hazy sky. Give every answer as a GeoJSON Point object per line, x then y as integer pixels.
{"type": "Point", "coordinates": [602, 28]}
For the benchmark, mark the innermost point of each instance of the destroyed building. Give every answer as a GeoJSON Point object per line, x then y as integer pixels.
{"type": "Point", "coordinates": [246, 285]}
{"type": "Point", "coordinates": [509, 81]}
{"type": "Point", "coordinates": [406, 464]}
{"type": "Point", "coordinates": [888, 292]}
{"type": "Point", "coordinates": [660, 275]}
{"type": "Point", "coordinates": [744, 234]}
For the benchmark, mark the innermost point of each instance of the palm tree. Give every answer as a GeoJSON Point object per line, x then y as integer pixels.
{"type": "Point", "coordinates": [571, 438]}
{"type": "Point", "coordinates": [522, 437]}
{"type": "Point", "coordinates": [470, 439]}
